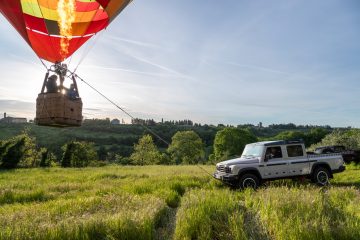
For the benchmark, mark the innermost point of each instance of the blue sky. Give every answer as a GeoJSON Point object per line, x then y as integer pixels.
{"type": "Point", "coordinates": [229, 62]}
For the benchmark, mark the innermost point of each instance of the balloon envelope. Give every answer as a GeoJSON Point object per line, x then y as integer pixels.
{"type": "Point", "coordinates": [39, 23]}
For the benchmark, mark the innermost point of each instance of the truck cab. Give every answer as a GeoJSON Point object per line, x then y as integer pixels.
{"type": "Point", "coordinates": [270, 160]}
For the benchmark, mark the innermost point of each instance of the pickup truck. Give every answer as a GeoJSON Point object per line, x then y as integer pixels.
{"type": "Point", "coordinates": [264, 161]}
{"type": "Point", "coordinates": [348, 155]}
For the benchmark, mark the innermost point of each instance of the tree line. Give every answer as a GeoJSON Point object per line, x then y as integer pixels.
{"type": "Point", "coordinates": [185, 147]}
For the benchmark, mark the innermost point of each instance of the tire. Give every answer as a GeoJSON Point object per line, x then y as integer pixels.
{"type": "Point", "coordinates": [321, 176]}
{"type": "Point", "coordinates": [249, 180]}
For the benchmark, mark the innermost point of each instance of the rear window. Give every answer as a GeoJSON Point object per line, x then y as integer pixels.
{"type": "Point", "coordinates": [295, 151]}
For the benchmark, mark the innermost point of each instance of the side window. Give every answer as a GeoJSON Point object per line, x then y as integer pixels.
{"type": "Point", "coordinates": [327, 150]}
{"type": "Point", "coordinates": [273, 152]}
{"type": "Point", "coordinates": [295, 151]}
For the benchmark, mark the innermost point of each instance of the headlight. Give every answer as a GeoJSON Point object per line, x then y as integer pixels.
{"type": "Point", "coordinates": [227, 169]}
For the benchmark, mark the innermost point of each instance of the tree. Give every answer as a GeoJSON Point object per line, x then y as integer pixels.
{"type": "Point", "coordinates": [78, 154]}
{"type": "Point", "coordinates": [290, 135]}
{"type": "Point", "coordinates": [31, 154]}
{"type": "Point", "coordinates": [19, 151]}
{"type": "Point", "coordinates": [102, 153]}
{"type": "Point", "coordinates": [145, 152]}
{"type": "Point", "coordinates": [186, 147]}
{"type": "Point", "coordinates": [350, 139]}
{"type": "Point", "coordinates": [315, 135]}
{"type": "Point", "coordinates": [230, 142]}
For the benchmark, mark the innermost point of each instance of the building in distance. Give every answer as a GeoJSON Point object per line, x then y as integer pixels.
{"type": "Point", "coordinates": [7, 119]}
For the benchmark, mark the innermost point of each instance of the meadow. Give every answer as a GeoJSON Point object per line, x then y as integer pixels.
{"type": "Point", "coordinates": [172, 202]}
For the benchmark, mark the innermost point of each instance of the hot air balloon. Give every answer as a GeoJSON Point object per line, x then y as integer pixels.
{"type": "Point", "coordinates": [55, 29]}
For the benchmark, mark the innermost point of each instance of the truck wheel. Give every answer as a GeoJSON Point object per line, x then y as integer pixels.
{"type": "Point", "coordinates": [321, 176]}
{"type": "Point", "coordinates": [249, 180]}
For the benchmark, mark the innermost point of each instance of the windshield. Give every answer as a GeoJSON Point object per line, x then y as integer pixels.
{"type": "Point", "coordinates": [252, 150]}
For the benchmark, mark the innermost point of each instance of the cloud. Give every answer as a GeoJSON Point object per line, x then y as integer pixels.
{"type": "Point", "coordinates": [94, 109]}
{"type": "Point", "coordinates": [257, 68]}
{"type": "Point", "coordinates": [16, 108]}
{"type": "Point", "coordinates": [136, 42]}
{"type": "Point", "coordinates": [229, 62]}
{"type": "Point", "coordinates": [131, 71]}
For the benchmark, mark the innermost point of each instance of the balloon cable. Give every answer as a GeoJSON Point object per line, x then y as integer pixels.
{"type": "Point", "coordinates": [43, 63]}
{"type": "Point", "coordinates": [120, 108]}
{"type": "Point", "coordinates": [124, 111]}
{"type": "Point", "coordinates": [87, 50]}
{"type": "Point", "coordinates": [132, 117]}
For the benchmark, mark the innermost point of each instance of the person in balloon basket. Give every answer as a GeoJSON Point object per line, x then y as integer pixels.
{"type": "Point", "coordinates": [72, 93]}
{"type": "Point", "coordinates": [51, 84]}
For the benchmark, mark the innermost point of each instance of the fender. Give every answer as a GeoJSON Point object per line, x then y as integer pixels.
{"type": "Point", "coordinates": [250, 170]}
{"type": "Point", "coordinates": [323, 164]}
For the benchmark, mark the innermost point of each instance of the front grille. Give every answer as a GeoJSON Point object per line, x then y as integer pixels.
{"type": "Point", "coordinates": [223, 168]}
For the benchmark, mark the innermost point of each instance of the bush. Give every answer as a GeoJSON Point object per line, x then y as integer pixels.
{"type": "Point", "coordinates": [78, 154]}
{"type": "Point", "coordinates": [47, 158]}
{"type": "Point", "coordinates": [14, 153]}
{"type": "Point", "coordinates": [122, 160]}
{"type": "Point", "coordinates": [350, 139]}
{"type": "Point", "coordinates": [19, 151]}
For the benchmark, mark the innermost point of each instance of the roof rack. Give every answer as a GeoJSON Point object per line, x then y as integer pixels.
{"type": "Point", "coordinates": [284, 142]}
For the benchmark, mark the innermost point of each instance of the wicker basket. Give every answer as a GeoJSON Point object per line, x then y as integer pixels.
{"type": "Point", "coordinates": [57, 110]}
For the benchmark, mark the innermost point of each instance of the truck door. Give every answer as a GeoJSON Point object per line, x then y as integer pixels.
{"type": "Point", "coordinates": [298, 162]}
{"type": "Point", "coordinates": [275, 165]}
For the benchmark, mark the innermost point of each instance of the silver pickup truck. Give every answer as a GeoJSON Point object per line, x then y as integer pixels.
{"type": "Point", "coordinates": [264, 161]}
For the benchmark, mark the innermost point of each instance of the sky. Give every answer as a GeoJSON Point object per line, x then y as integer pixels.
{"type": "Point", "coordinates": [229, 62]}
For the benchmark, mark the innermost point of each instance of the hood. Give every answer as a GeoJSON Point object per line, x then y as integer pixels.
{"type": "Point", "coordinates": [240, 161]}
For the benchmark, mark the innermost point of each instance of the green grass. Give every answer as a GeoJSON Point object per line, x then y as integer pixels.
{"type": "Point", "coordinates": [172, 202]}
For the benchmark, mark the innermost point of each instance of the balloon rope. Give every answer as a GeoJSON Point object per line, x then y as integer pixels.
{"type": "Point", "coordinates": [122, 109]}
{"type": "Point", "coordinates": [88, 48]}
{"type": "Point", "coordinates": [42, 62]}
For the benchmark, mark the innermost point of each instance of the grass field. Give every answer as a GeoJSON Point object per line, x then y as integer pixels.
{"type": "Point", "coordinates": [175, 202]}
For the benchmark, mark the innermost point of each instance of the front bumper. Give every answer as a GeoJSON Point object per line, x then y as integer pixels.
{"type": "Point", "coordinates": [225, 177]}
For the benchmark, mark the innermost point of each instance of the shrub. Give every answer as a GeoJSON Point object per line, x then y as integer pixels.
{"type": "Point", "coordinates": [78, 154]}
{"type": "Point", "coordinates": [350, 139]}
{"type": "Point", "coordinates": [14, 153]}
{"type": "Point", "coordinates": [19, 151]}
{"type": "Point", "coordinates": [47, 159]}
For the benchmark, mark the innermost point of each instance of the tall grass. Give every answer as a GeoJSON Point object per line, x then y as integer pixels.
{"type": "Point", "coordinates": [91, 203]}
{"type": "Point", "coordinates": [307, 212]}
{"type": "Point", "coordinates": [215, 214]}
{"type": "Point", "coordinates": [173, 202]}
